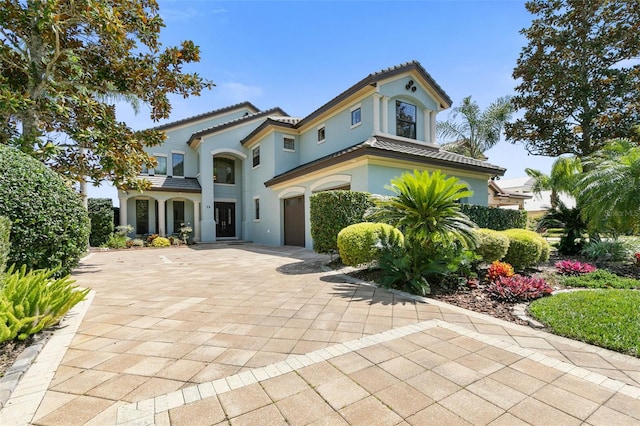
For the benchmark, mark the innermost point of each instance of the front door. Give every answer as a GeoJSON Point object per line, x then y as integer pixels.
{"type": "Point", "coordinates": [294, 221]}
{"type": "Point", "coordinates": [225, 216]}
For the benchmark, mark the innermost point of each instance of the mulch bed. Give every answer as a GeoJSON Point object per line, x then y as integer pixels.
{"type": "Point", "coordinates": [9, 351]}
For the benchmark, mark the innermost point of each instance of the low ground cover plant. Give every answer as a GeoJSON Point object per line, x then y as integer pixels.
{"type": "Point", "coordinates": [573, 267]}
{"type": "Point", "coordinates": [31, 301]}
{"type": "Point", "coordinates": [606, 251]}
{"type": "Point", "coordinates": [518, 288]}
{"type": "Point", "coordinates": [607, 318]}
{"type": "Point", "coordinates": [601, 279]}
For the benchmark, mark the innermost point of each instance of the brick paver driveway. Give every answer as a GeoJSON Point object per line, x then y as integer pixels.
{"type": "Point", "coordinates": [258, 335]}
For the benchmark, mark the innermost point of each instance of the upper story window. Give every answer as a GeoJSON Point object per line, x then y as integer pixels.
{"type": "Point", "coordinates": [405, 120]}
{"type": "Point", "coordinates": [356, 116]}
{"type": "Point", "coordinates": [144, 170]}
{"type": "Point", "coordinates": [224, 170]}
{"type": "Point", "coordinates": [289, 144]}
{"type": "Point", "coordinates": [256, 156]}
{"type": "Point", "coordinates": [177, 162]}
{"type": "Point", "coordinates": [161, 167]}
{"type": "Point", "coordinates": [321, 134]}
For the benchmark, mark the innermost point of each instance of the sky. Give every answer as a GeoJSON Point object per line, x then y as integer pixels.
{"type": "Point", "coordinates": [298, 55]}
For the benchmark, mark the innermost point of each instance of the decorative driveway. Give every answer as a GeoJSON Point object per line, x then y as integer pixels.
{"type": "Point", "coordinates": [247, 334]}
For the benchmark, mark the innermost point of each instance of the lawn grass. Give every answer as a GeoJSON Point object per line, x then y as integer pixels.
{"type": "Point", "coordinates": [601, 279]}
{"type": "Point", "coordinates": [606, 318]}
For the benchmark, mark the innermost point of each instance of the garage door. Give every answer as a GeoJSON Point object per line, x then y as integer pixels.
{"type": "Point", "coordinates": [294, 221]}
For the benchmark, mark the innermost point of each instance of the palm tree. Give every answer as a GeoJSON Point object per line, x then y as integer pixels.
{"type": "Point", "coordinates": [562, 179]}
{"type": "Point", "coordinates": [478, 130]}
{"type": "Point", "coordinates": [610, 190]}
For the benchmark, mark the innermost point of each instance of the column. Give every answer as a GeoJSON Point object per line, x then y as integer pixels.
{"type": "Point", "coordinates": [162, 231]}
{"type": "Point", "coordinates": [376, 113]}
{"type": "Point", "coordinates": [385, 114]}
{"type": "Point", "coordinates": [427, 126]}
{"type": "Point", "coordinates": [196, 221]}
{"type": "Point", "coordinates": [433, 127]}
{"type": "Point", "coordinates": [123, 210]}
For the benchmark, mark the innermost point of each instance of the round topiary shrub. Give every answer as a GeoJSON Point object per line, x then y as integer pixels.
{"type": "Point", "coordinates": [492, 245]}
{"type": "Point", "coordinates": [160, 242]}
{"type": "Point", "coordinates": [50, 226]}
{"type": "Point", "coordinates": [362, 243]}
{"type": "Point", "coordinates": [524, 250]}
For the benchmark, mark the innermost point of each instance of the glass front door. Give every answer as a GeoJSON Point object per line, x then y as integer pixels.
{"type": "Point", "coordinates": [225, 217]}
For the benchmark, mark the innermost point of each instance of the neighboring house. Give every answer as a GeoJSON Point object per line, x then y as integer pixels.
{"type": "Point", "coordinates": [537, 203]}
{"type": "Point", "coordinates": [242, 173]}
{"type": "Point", "coordinates": [498, 197]}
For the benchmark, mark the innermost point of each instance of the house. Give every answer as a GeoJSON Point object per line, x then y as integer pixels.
{"type": "Point", "coordinates": [244, 173]}
{"type": "Point", "coordinates": [499, 197]}
{"type": "Point", "coordinates": [537, 203]}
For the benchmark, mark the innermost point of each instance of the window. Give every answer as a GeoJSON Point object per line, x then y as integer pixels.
{"type": "Point", "coordinates": [178, 215]}
{"type": "Point", "coordinates": [256, 202]}
{"type": "Point", "coordinates": [256, 156]}
{"type": "Point", "coordinates": [144, 170]}
{"type": "Point", "coordinates": [356, 116]}
{"type": "Point", "coordinates": [405, 120]}
{"type": "Point", "coordinates": [289, 144]}
{"type": "Point", "coordinates": [161, 168]}
{"type": "Point", "coordinates": [321, 134]}
{"type": "Point", "coordinates": [177, 162]}
{"type": "Point", "coordinates": [142, 217]}
{"type": "Point", "coordinates": [224, 170]}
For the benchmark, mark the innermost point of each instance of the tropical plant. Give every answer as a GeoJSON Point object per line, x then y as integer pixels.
{"type": "Point", "coordinates": [573, 267]}
{"type": "Point", "coordinates": [605, 251]}
{"type": "Point", "coordinates": [518, 288]}
{"type": "Point", "coordinates": [575, 84]}
{"type": "Point", "coordinates": [609, 190]}
{"type": "Point", "coordinates": [31, 301]}
{"type": "Point", "coordinates": [63, 65]}
{"type": "Point", "coordinates": [572, 224]}
{"type": "Point", "coordinates": [478, 131]}
{"type": "Point", "coordinates": [362, 243]}
{"type": "Point", "coordinates": [563, 177]}
{"type": "Point", "coordinates": [499, 269]}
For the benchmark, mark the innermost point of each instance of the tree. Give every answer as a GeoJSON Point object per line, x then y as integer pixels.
{"type": "Point", "coordinates": [63, 64]}
{"type": "Point", "coordinates": [609, 191]}
{"type": "Point", "coordinates": [576, 85]}
{"type": "Point", "coordinates": [479, 130]}
{"type": "Point", "coordinates": [562, 179]}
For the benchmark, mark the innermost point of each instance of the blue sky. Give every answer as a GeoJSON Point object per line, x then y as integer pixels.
{"type": "Point", "coordinates": [299, 54]}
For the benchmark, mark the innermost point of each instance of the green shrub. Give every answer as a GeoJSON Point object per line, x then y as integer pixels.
{"type": "Point", "coordinates": [606, 251]}
{"type": "Point", "coordinates": [5, 244]}
{"type": "Point", "coordinates": [492, 245]}
{"type": "Point", "coordinates": [332, 211]}
{"type": "Point", "coordinates": [524, 250]}
{"type": "Point", "coordinates": [362, 242]}
{"type": "Point", "coordinates": [607, 318]}
{"type": "Point", "coordinates": [101, 215]}
{"type": "Point", "coordinates": [161, 242]}
{"type": "Point", "coordinates": [495, 218]}
{"type": "Point", "coordinates": [601, 279]}
{"type": "Point", "coordinates": [116, 241]}
{"type": "Point", "coordinates": [50, 226]}
{"type": "Point", "coordinates": [32, 301]}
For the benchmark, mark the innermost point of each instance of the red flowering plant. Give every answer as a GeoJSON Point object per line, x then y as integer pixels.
{"type": "Point", "coordinates": [573, 267]}
{"type": "Point", "coordinates": [637, 257]}
{"type": "Point", "coordinates": [499, 269]}
{"type": "Point", "coordinates": [518, 288]}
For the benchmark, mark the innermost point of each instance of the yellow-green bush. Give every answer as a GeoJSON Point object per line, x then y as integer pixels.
{"type": "Point", "coordinates": [492, 245]}
{"type": "Point", "coordinates": [525, 248]}
{"type": "Point", "coordinates": [160, 242]}
{"type": "Point", "coordinates": [362, 242]}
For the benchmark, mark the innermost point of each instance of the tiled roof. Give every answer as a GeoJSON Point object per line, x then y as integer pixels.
{"type": "Point", "coordinates": [171, 184]}
{"type": "Point", "coordinates": [231, 123]}
{"type": "Point", "coordinates": [288, 120]}
{"type": "Point", "coordinates": [392, 148]}
{"type": "Point", "coordinates": [205, 115]}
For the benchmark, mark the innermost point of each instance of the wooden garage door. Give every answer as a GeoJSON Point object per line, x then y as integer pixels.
{"type": "Point", "coordinates": [294, 221]}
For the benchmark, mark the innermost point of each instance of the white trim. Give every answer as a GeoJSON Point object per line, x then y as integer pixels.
{"type": "Point", "coordinates": [225, 200]}
{"type": "Point", "coordinates": [385, 114]}
{"type": "Point", "coordinates": [351, 110]}
{"type": "Point", "coordinates": [293, 191]}
{"type": "Point", "coordinates": [402, 138]}
{"type": "Point", "coordinates": [322, 126]}
{"type": "Point", "coordinates": [340, 179]}
{"type": "Point", "coordinates": [229, 151]}
{"type": "Point", "coordinates": [376, 112]}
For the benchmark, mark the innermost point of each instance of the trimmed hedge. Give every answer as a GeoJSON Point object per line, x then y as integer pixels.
{"type": "Point", "coordinates": [5, 244]}
{"type": "Point", "coordinates": [492, 245]}
{"type": "Point", "coordinates": [331, 211]}
{"type": "Point", "coordinates": [50, 226]}
{"type": "Point", "coordinates": [525, 249]}
{"type": "Point", "coordinates": [101, 215]}
{"type": "Point", "coordinates": [362, 243]}
{"type": "Point", "coordinates": [495, 218]}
